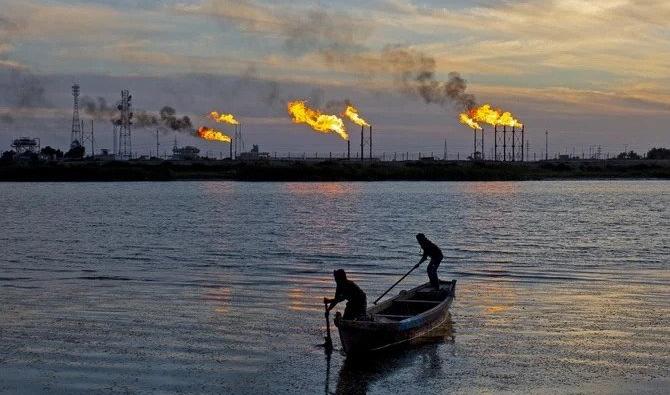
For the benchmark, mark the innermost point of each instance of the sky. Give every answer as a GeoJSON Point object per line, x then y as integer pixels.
{"type": "Point", "coordinates": [590, 72]}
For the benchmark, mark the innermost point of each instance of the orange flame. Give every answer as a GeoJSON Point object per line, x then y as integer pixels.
{"type": "Point", "coordinates": [320, 122]}
{"type": "Point", "coordinates": [489, 115]}
{"type": "Point", "coordinates": [212, 134]}
{"type": "Point", "coordinates": [227, 118]}
{"type": "Point", "coordinates": [352, 113]}
{"type": "Point", "coordinates": [466, 120]}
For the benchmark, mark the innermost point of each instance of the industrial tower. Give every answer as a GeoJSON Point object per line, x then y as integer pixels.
{"type": "Point", "coordinates": [77, 135]}
{"type": "Point", "coordinates": [238, 141]}
{"type": "Point", "coordinates": [124, 122]}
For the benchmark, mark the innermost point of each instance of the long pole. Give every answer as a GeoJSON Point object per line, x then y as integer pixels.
{"type": "Point", "coordinates": [495, 142]}
{"type": "Point", "coordinates": [396, 283]}
{"type": "Point", "coordinates": [482, 143]}
{"type": "Point", "coordinates": [523, 139]}
{"type": "Point", "coordinates": [546, 145]}
{"type": "Point", "coordinates": [157, 143]}
{"type": "Point", "coordinates": [370, 128]}
{"type": "Point", "coordinates": [348, 149]}
{"type": "Point", "coordinates": [92, 139]}
{"type": "Point", "coordinates": [328, 341]}
{"type": "Point", "coordinates": [513, 143]}
{"type": "Point", "coordinates": [236, 134]}
{"type": "Point", "coordinates": [504, 143]}
{"type": "Point", "coordinates": [362, 142]}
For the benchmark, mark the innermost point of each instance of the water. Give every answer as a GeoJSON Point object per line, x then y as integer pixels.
{"type": "Point", "coordinates": [200, 287]}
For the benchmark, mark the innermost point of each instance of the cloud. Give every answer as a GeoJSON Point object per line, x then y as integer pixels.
{"type": "Point", "coordinates": [338, 40]}
{"type": "Point", "coordinates": [626, 101]}
{"type": "Point", "coordinates": [301, 30]}
{"type": "Point", "coordinates": [621, 37]}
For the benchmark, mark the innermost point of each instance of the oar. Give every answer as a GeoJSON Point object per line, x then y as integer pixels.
{"type": "Point", "coordinates": [396, 283]}
{"type": "Point", "coordinates": [328, 340]}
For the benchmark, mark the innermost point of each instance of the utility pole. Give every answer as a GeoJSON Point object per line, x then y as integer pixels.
{"type": "Point", "coordinates": [444, 156]}
{"type": "Point", "coordinates": [370, 129]}
{"type": "Point", "coordinates": [546, 145]}
{"type": "Point", "coordinates": [92, 140]}
{"type": "Point", "coordinates": [157, 143]}
{"type": "Point", "coordinates": [362, 142]}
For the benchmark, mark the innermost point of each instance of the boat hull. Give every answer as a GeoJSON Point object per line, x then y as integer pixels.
{"type": "Point", "coordinates": [359, 337]}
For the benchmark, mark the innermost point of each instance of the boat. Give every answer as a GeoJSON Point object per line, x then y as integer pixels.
{"type": "Point", "coordinates": [398, 320]}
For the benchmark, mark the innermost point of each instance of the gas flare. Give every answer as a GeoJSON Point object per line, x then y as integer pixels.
{"type": "Point", "coordinates": [226, 118]}
{"type": "Point", "coordinates": [489, 115]}
{"type": "Point", "coordinates": [323, 123]}
{"type": "Point", "coordinates": [466, 120]}
{"type": "Point", "coordinates": [212, 134]}
{"type": "Point", "coordinates": [352, 113]}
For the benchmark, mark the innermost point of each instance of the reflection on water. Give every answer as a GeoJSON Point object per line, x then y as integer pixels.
{"type": "Point", "coordinates": [490, 188]}
{"type": "Point", "coordinates": [357, 374]}
{"type": "Point", "coordinates": [220, 298]}
{"type": "Point", "coordinates": [327, 190]}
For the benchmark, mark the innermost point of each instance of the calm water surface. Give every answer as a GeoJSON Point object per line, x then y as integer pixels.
{"type": "Point", "coordinates": [200, 287]}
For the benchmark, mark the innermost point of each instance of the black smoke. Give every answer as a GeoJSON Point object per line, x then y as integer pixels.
{"type": "Point", "coordinates": [97, 108]}
{"type": "Point", "coordinates": [414, 73]}
{"type": "Point", "coordinates": [166, 120]}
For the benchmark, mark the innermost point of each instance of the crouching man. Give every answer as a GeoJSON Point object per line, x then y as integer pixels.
{"type": "Point", "coordinates": [349, 291]}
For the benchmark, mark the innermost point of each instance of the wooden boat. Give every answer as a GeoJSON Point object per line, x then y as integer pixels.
{"type": "Point", "coordinates": [409, 315]}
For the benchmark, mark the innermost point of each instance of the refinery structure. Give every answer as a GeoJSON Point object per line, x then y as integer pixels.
{"type": "Point", "coordinates": [499, 150]}
{"type": "Point", "coordinates": [508, 134]}
{"type": "Point", "coordinates": [497, 136]}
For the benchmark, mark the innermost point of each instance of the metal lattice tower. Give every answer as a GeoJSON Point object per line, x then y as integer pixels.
{"type": "Point", "coordinates": [238, 141]}
{"type": "Point", "coordinates": [76, 136]}
{"type": "Point", "coordinates": [124, 123]}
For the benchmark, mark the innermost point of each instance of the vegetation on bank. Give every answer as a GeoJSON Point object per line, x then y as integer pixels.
{"type": "Point", "coordinates": [329, 170]}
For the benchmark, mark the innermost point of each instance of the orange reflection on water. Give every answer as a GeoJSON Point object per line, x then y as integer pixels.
{"type": "Point", "coordinates": [490, 188]}
{"type": "Point", "coordinates": [221, 298]}
{"type": "Point", "coordinates": [321, 188]}
{"type": "Point", "coordinates": [494, 298]}
{"type": "Point", "coordinates": [496, 309]}
{"type": "Point", "coordinates": [299, 300]}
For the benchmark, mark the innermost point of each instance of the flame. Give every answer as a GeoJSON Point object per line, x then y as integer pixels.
{"type": "Point", "coordinates": [352, 113]}
{"type": "Point", "coordinates": [212, 134]}
{"type": "Point", "coordinates": [466, 120]}
{"type": "Point", "coordinates": [320, 122]}
{"type": "Point", "coordinates": [489, 115]}
{"type": "Point", "coordinates": [227, 118]}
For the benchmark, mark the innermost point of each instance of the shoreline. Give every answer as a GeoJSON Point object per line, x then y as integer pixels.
{"type": "Point", "coordinates": [333, 170]}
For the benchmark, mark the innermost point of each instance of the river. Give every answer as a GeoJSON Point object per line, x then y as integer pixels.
{"type": "Point", "coordinates": [200, 287]}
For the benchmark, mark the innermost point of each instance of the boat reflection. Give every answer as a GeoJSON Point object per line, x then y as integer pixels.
{"type": "Point", "coordinates": [357, 374]}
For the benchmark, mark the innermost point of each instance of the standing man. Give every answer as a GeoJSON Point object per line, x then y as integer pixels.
{"type": "Point", "coordinates": [435, 254]}
{"type": "Point", "coordinates": [349, 291]}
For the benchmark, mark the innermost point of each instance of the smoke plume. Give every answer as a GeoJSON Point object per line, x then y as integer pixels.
{"type": "Point", "coordinates": [336, 106]}
{"type": "Point", "coordinates": [166, 120]}
{"type": "Point", "coordinates": [338, 38]}
{"type": "Point", "coordinates": [414, 72]}
{"type": "Point", "coordinates": [97, 108]}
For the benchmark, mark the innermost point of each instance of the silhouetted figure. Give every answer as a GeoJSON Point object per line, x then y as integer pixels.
{"type": "Point", "coordinates": [349, 291]}
{"type": "Point", "coordinates": [435, 254]}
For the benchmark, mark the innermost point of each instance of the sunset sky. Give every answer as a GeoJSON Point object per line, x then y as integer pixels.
{"type": "Point", "coordinates": [591, 73]}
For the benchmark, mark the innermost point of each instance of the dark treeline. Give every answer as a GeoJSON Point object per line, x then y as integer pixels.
{"type": "Point", "coordinates": [328, 170]}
